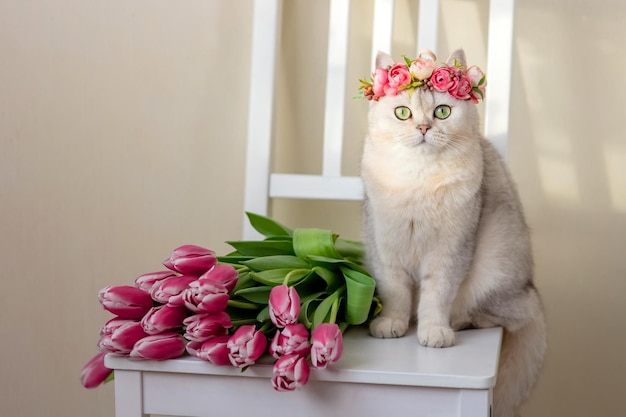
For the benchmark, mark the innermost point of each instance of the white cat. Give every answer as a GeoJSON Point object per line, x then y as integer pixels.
{"type": "Point", "coordinates": [445, 233]}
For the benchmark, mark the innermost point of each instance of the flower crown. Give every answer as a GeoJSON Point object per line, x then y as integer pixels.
{"type": "Point", "coordinates": [459, 81]}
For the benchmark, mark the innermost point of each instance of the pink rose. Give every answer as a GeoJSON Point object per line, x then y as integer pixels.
{"type": "Point", "coordinates": [291, 372]}
{"type": "Point", "coordinates": [327, 345]}
{"type": "Point", "coordinates": [381, 79]}
{"type": "Point", "coordinates": [293, 339]}
{"type": "Point", "coordinates": [476, 75]}
{"type": "Point", "coordinates": [443, 79]}
{"type": "Point", "coordinates": [94, 372]}
{"type": "Point", "coordinates": [462, 89]}
{"type": "Point", "coordinates": [284, 304]}
{"type": "Point", "coordinates": [398, 76]}
{"type": "Point", "coordinates": [213, 350]}
{"type": "Point", "coordinates": [191, 260]}
{"type": "Point", "coordinates": [422, 68]}
{"type": "Point", "coordinates": [246, 345]}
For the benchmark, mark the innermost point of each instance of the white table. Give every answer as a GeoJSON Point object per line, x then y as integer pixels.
{"type": "Point", "coordinates": [375, 377]}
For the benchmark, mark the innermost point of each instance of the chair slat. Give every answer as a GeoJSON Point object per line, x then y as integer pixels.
{"type": "Point", "coordinates": [382, 32]}
{"type": "Point", "coordinates": [335, 86]}
{"type": "Point", "coordinates": [316, 187]}
{"type": "Point", "coordinates": [499, 66]}
{"type": "Point", "coordinates": [428, 24]}
{"type": "Point", "coordinates": [266, 32]}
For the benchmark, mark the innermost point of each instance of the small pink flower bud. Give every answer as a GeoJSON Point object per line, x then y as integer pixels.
{"type": "Point", "coordinates": [168, 290]}
{"type": "Point", "coordinates": [200, 327]}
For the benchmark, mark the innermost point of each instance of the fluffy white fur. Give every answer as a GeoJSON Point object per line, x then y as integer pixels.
{"type": "Point", "coordinates": [446, 237]}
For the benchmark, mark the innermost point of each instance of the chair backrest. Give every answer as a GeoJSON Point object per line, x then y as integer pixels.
{"type": "Point", "coordinates": [261, 184]}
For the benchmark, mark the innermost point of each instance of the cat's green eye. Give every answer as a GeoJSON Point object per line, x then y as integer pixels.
{"type": "Point", "coordinates": [442, 111]}
{"type": "Point", "coordinates": [402, 112]}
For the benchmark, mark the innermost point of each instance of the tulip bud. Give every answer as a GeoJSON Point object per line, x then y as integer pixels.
{"type": "Point", "coordinates": [147, 281]}
{"type": "Point", "coordinates": [222, 275]}
{"type": "Point", "coordinates": [327, 345]}
{"type": "Point", "coordinates": [163, 318]}
{"type": "Point", "coordinates": [246, 345]}
{"type": "Point", "coordinates": [110, 326]}
{"type": "Point", "coordinates": [125, 301]}
{"type": "Point", "coordinates": [122, 340]}
{"type": "Point", "coordinates": [284, 303]}
{"type": "Point", "coordinates": [159, 347]}
{"type": "Point", "coordinates": [291, 372]}
{"type": "Point", "coordinates": [169, 291]}
{"type": "Point", "coordinates": [200, 327]}
{"type": "Point", "coordinates": [205, 296]}
{"type": "Point", "coordinates": [94, 372]}
{"type": "Point", "coordinates": [293, 339]}
{"type": "Point", "coordinates": [213, 350]}
{"type": "Point", "coordinates": [191, 260]}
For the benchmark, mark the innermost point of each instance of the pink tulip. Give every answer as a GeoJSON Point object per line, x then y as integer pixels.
{"type": "Point", "coordinates": [291, 372]}
{"type": "Point", "coordinates": [163, 318]}
{"type": "Point", "coordinates": [169, 291]}
{"type": "Point", "coordinates": [327, 345]}
{"type": "Point", "coordinates": [246, 345]}
{"type": "Point", "coordinates": [147, 281]}
{"type": "Point", "coordinates": [191, 260]}
{"type": "Point", "coordinates": [125, 301]}
{"type": "Point", "coordinates": [213, 350]}
{"type": "Point", "coordinates": [200, 327]}
{"type": "Point", "coordinates": [293, 339]}
{"type": "Point", "coordinates": [110, 326]}
{"type": "Point", "coordinates": [94, 372]}
{"type": "Point", "coordinates": [222, 275]}
{"type": "Point", "coordinates": [122, 340]}
{"type": "Point", "coordinates": [206, 296]}
{"type": "Point", "coordinates": [284, 303]}
{"type": "Point", "coordinates": [159, 347]}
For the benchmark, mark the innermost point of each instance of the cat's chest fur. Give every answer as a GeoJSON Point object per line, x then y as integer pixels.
{"type": "Point", "coordinates": [417, 199]}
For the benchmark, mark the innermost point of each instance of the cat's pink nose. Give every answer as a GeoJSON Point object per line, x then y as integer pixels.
{"type": "Point", "coordinates": [423, 128]}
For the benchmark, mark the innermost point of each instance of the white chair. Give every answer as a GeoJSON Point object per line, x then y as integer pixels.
{"type": "Point", "coordinates": [374, 377]}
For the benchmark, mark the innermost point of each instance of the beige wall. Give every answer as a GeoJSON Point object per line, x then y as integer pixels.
{"type": "Point", "coordinates": [122, 130]}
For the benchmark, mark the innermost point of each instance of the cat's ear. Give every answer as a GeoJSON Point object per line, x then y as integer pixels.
{"type": "Point", "coordinates": [457, 59]}
{"type": "Point", "coordinates": [384, 60]}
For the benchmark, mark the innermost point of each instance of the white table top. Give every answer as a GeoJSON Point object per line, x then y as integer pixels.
{"type": "Point", "coordinates": [472, 363]}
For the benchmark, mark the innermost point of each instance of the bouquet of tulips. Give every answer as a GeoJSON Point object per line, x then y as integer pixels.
{"type": "Point", "coordinates": [290, 295]}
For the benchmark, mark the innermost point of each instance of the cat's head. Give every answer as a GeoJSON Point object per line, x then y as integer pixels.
{"type": "Point", "coordinates": [432, 113]}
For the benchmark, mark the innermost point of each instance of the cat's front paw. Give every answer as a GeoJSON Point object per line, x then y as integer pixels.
{"type": "Point", "coordinates": [435, 336]}
{"type": "Point", "coordinates": [387, 327]}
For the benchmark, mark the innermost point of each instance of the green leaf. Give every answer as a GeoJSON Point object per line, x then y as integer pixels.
{"type": "Point", "coordinates": [276, 261]}
{"type": "Point", "coordinates": [320, 242]}
{"type": "Point", "coordinates": [332, 279]}
{"type": "Point", "coordinates": [257, 295]}
{"type": "Point", "coordinates": [307, 310]}
{"type": "Point", "coordinates": [360, 289]}
{"type": "Point", "coordinates": [243, 305]}
{"type": "Point", "coordinates": [482, 80]}
{"type": "Point", "coordinates": [262, 247]}
{"type": "Point", "coordinates": [334, 263]}
{"type": "Point", "coordinates": [233, 259]}
{"type": "Point", "coordinates": [407, 61]}
{"type": "Point", "coordinates": [350, 249]}
{"type": "Point", "coordinates": [243, 281]}
{"type": "Point", "coordinates": [323, 311]}
{"type": "Point", "coordinates": [274, 277]}
{"type": "Point", "coordinates": [264, 315]}
{"type": "Point", "coordinates": [266, 226]}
